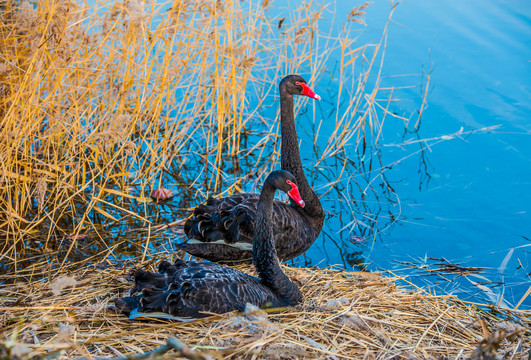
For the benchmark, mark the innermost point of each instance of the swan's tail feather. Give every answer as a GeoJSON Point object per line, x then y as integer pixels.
{"type": "Point", "coordinates": [234, 227]}
{"type": "Point", "coordinates": [153, 299]}
{"type": "Point", "coordinates": [127, 304]}
{"type": "Point", "coordinates": [164, 267]}
{"type": "Point", "coordinates": [206, 230]}
{"type": "Point", "coordinates": [144, 279]}
{"type": "Point", "coordinates": [167, 269]}
{"type": "Point", "coordinates": [178, 264]}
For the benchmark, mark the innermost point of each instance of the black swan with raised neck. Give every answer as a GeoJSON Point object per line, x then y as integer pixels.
{"type": "Point", "coordinates": [222, 229]}
{"type": "Point", "coordinates": [193, 289]}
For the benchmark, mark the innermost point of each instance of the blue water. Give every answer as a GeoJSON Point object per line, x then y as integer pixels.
{"type": "Point", "coordinates": [471, 203]}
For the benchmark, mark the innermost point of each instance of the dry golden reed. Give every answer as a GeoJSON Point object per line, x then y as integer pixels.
{"type": "Point", "coordinates": [100, 103]}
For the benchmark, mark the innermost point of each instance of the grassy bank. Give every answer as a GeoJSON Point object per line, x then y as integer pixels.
{"type": "Point", "coordinates": [344, 315]}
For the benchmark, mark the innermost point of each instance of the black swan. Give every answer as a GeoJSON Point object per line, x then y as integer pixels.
{"type": "Point", "coordinates": [192, 289]}
{"type": "Point", "coordinates": [222, 229]}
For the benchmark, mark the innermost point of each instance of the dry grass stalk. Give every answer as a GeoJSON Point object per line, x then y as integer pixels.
{"type": "Point", "coordinates": [344, 316]}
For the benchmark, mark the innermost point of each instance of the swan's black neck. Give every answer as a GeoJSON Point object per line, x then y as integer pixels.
{"type": "Point", "coordinates": [265, 255]}
{"type": "Point", "coordinates": [291, 161]}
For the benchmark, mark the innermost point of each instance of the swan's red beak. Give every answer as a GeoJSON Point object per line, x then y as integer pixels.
{"type": "Point", "coordinates": [307, 91]}
{"type": "Point", "coordinates": [294, 194]}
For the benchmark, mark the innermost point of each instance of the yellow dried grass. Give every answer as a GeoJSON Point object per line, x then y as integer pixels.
{"type": "Point", "coordinates": [356, 315]}
{"type": "Point", "coordinates": [88, 104]}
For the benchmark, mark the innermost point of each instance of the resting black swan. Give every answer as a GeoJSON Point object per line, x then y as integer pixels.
{"type": "Point", "coordinates": [222, 230]}
{"type": "Point", "coordinates": [194, 288]}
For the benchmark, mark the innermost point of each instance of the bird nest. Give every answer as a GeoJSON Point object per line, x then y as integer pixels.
{"type": "Point", "coordinates": [344, 315]}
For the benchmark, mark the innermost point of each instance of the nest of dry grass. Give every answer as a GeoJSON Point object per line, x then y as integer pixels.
{"type": "Point", "coordinates": [345, 315]}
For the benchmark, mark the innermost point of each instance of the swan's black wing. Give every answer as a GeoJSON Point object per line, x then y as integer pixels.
{"type": "Point", "coordinates": [222, 229]}
{"type": "Point", "coordinates": [196, 289]}
{"type": "Point", "coordinates": [215, 290]}
{"type": "Point", "coordinates": [228, 220]}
